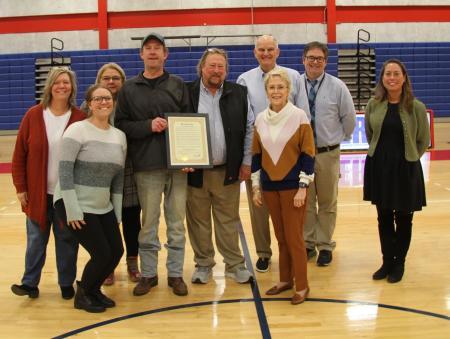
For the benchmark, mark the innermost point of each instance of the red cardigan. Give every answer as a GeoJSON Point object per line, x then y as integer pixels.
{"type": "Point", "coordinates": [29, 162]}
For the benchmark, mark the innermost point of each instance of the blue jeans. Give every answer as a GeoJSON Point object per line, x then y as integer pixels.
{"type": "Point", "coordinates": [66, 248]}
{"type": "Point", "coordinates": [151, 186]}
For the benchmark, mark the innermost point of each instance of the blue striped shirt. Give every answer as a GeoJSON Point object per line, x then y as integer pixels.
{"type": "Point", "coordinates": [257, 96]}
{"type": "Point", "coordinates": [334, 110]}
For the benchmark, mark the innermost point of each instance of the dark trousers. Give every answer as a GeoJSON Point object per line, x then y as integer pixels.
{"type": "Point", "coordinates": [101, 238]}
{"type": "Point", "coordinates": [394, 229]}
{"type": "Point", "coordinates": [131, 225]}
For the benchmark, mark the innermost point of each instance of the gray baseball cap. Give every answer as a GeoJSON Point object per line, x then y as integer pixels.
{"type": "Point", "coordinates": [155, 36]}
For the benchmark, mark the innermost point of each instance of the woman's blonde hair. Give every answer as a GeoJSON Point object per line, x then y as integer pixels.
{"type": "Point", "coordinates": [54, 73]}
{"type": "Point", "coordinates": [111, 65]}
{"type": "Point", "coordinates": [278, 72]}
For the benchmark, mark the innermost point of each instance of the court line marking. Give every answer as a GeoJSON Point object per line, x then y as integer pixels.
{"type": "Point", "coordinates": [257, 299]}
{"type": "Point", "coordinates": [368, 303]}
{"type": "Point", "coordinates": [263, 324]}
{"type": "Point", "coordinates": [368, 203]}
{"type": "Point", "coordinates": [231, 301]}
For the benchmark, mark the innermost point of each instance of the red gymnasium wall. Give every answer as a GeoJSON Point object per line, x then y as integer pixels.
{"type": "Point", "coordinates": [329, 14]}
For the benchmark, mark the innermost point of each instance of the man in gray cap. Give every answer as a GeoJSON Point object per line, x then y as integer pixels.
{"type": "Point", "coordinates": [141, 105]}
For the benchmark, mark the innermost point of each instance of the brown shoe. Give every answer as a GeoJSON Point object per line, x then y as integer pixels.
{"type": "Point", "coordinates": [144, 285]}
{"type": "Point", "coordinates": [277, 290]}
{"type": "Point", "coordinates": [132, 268]}
{"type": "Point", "coordinates": [178, 285]}
{"type": "Point", "coordinates": [298, 299]}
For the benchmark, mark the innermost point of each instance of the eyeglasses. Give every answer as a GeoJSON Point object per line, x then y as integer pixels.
{"type": "Point", "coordinates": [99, 100]}
{"type": "Point", "coordinates": [311, 58]}
{"type": "Point", "coordinates": [113, 78]}
{"type": "Point", "coordinates": [278, 88]}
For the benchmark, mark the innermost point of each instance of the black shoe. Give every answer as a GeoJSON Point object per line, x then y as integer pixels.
{"type": "Point", "coordinates": [396, 274]}
{"type": "Point", "coordinates": [310, 253]}
{"type": "Point", "coordinates": [83, 301]}
{"type": "Point", "coordinates": [103, 299]}
{"type": "Point", "coordinates": [262, 265]}
{"type": "Point", "coordinates": [67, 292]}
{"type": "Point", "coordinates": [382, 272]}
{"type": "Point", "coordinates": [31, 292]}
{"type": "Point", "coordinates": [325, 258]}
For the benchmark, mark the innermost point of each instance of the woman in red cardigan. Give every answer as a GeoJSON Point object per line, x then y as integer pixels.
{"type": "Point", "coordinates": [35, 173]}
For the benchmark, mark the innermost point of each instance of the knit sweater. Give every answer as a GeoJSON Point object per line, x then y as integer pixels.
{"type": "Point", "coordinates": [91, 170]}
{"type": "Point", "coordinates": [283, 149]}
{"type": "Point", "coordinates": [30, 161]}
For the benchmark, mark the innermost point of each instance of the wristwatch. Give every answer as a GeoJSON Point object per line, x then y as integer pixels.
{"type": "Point", "coordinates": [301, 184]}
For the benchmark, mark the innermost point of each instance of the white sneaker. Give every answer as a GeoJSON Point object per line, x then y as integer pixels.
{"type": "Point", "coordinates": [240, 275]}
{"type": "Point", "coordinates": [201, 275]}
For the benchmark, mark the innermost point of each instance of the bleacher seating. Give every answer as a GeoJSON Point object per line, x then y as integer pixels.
{"type": "Point", "coordinates": [428, 65]}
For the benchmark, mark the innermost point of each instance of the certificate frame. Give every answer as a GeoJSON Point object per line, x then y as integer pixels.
{"type": "Point", "coordinates": [188, 140]}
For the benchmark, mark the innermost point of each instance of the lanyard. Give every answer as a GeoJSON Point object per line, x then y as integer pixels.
{"type": "Point", "coordinates": [320, 84]}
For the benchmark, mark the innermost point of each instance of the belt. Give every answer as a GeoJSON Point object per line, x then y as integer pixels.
{"type": "Point", "coordinates": [326, 148]}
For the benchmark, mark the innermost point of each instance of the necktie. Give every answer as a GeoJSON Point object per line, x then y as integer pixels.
{"type": "Point", "coordinates": [312, 102]}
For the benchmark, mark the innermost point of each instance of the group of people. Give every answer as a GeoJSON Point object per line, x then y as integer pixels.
{"type": "Point", "coordinates": [85, 173]}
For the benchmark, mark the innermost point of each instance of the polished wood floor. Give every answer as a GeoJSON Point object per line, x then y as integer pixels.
{"type": "Point", "coordinates": [344, 301]}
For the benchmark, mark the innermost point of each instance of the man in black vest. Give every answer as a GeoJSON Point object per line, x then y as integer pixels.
{"type": "Point", "coordinates": [217, 190]}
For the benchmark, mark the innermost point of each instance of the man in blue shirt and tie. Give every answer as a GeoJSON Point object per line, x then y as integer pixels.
{"type": "Point", "coordinates": [329, 104]}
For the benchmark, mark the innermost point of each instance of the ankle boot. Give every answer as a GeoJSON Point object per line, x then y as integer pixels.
{"type": "Point", "coordinates": [83, 301]}
{"type": "Point", "coordinates": [103, 299]}
{"type": "Point", "coordinates": [396, 273]}
{"type": "Point", "coordinates": [382, 272]}
{"type": "Point", "coordinates": [132, 269]}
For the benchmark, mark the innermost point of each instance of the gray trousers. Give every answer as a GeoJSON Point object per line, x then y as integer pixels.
{"type": "Point", "coordinates": [321, 206]}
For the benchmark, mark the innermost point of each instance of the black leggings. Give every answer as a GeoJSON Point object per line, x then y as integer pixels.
{"type": "Point", "coordinates": [131, 225]}
{"type": "Point", "coordinates": [102, 240]}
{"type": "Point", "coordinates": [395, 230]}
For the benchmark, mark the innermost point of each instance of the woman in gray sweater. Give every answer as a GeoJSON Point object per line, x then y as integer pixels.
{"type": "Point", "coordinates": [89, 194]}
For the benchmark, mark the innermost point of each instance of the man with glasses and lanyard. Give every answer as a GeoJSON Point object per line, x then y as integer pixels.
{"type": "Point", "coordinates": [329, 104]}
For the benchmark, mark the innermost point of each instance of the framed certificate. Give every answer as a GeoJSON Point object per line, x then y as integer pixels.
{"type": "Point", "coordinates": [188, 141]}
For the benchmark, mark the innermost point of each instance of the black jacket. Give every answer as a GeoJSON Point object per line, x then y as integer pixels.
{"type": "Point", "coordinates": [138, 103]}
{"type": "Point", "coordinates": [233, 109]}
